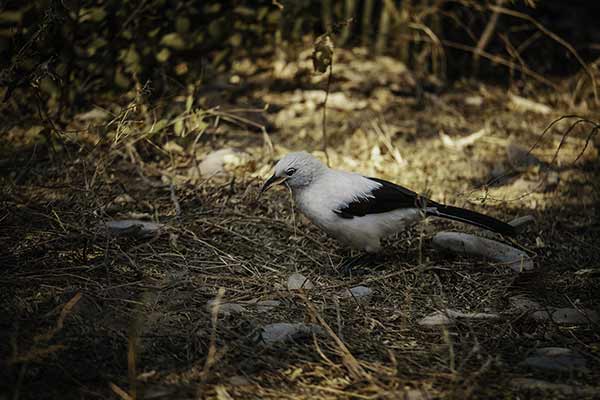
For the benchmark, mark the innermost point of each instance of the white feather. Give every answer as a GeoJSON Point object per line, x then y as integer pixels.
{"type": "Point", "coordinates": [334, 190]}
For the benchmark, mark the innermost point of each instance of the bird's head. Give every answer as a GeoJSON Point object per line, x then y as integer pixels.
{"type": "Point", "coordinates": [296, 170]}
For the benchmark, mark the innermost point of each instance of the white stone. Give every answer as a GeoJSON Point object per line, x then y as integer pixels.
{"type": "Point", "coordinates": [463, 243]}
{"type": "Point", "coordinates": [224, 308]}
{"type": "Point", "coordinates": [298, 281]}
{"type": "Point", "coordinates": [555, 359]}
{"type": "Point", "coordinates": [218, 162]}
{"type": "Point", "coordinates": [266, 305]}
{"type": "Point", "coordinates": [448, 317]}
{"type": "Point", "coordinates": [132, 227]}
{"type": "Point", "coordinates": [522, 104]}
{"type": "Point", "coordinates": [357, 292]}
{"type": "Point", "coordinates": [566, 315]}
{"type": "Point", "coordinates": [283, 331]}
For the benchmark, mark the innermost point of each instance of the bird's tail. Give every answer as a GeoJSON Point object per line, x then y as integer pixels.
{"type": "Point", "coordinates": [473, 218]}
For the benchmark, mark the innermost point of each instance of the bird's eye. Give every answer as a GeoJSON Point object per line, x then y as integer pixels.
{"type": "Point", "coordinates": [290, 171]}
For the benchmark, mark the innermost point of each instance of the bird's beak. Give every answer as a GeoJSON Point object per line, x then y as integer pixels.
{"type": "Point", "coordinates": [274, 180]}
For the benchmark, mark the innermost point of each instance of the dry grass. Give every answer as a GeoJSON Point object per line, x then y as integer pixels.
{"type": "Point", "coordinates": [89, 315]}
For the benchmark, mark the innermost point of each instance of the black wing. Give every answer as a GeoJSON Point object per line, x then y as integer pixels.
{"type": "Point", "coordinates": [387, 197]}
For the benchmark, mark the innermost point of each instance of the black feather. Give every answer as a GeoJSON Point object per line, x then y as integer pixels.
{"type": "Point", "coordinates": [389, 197]}
{"type": "Point", "coordinates": [473, 218]}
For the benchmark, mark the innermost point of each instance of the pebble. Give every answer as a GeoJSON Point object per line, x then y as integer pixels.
{"type": "Point", "coordinates": [267, 305]}
{"type": "Point", "coordinates": [463, 243]}
{"type": "Point", "coordinates": [448, 317]}
{"type": "Point", "coordinates": [225, 308]}
{"type": "Point", "coordinates": [520, 158]}
{"type": "Point", "coordinates": [298, 281]}
{"type": "Point", "coordinates": [555, 359]}
{"type": "Point", "coordinates": [566, 315]}
{"type": "Point", "coordinates": [357, 292]}
{"type": "Point", "coordinates": [132, 227]}
{"type": "Point", "coordinates": [284, 331]}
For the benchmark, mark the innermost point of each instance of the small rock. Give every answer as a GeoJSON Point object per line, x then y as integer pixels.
{"type": "Point", "coordinates": [357, 292]}
{"type": "Point", "coordinates": [555, 359]}
{"type": "Point", "coordinates": [464, 243]}
{"type": "Point", "coordinates": [566, 315]}
{"type": "Point", "coordinates": [557, 315]}
{"type": "Point", "coordinates": [520, 158]}
{"type": "Point", "coordinates": [217, 162]}
{"type": "Point", "coordinates": [224, 308]}
{"type": "Point", "coordinates": [464, 141]}
{"type": "Point", "coordinates": [438, 318]}
{"type": "Point", "coordinates": [474, 101]}
{"type": "Point", "coordinates": [267, 305]}
{"type": "Point", "coordinates": [448, 317]}
{"type": "Point", "coordinates": [298, 281]}
{"type": "Point", "coordinates": [522, 104]}
{"type": "Point", "coordinates": [123, 199]}
{"type": "Point", "coordinates": [132, 227]}
{"type": "Point", "coordinates": [95, 114]}
{"type": "Point", "coordinates": [238, 380]}
{"type": "Point", "coordinates": [283, 331]}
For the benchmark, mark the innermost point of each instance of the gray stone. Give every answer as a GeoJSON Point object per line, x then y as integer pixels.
{"type": "Point", "coordinates": [520, 158]}
{"type": "Point", "coordinates": [463, 243]}
{"type": "Point", "coordinates": [224, 308]}
{"type": "Point", "coordinates": [566, 315]}
{"type": "Point", "coordinates": [448, 317]}
{"type": "Point", "coordinates": [284, 331]}
{"type": "Point", "coordinates": [132, 227]}
{"type": "Point", "coordinates": [298, 281]}
{"type": "Point", "coordinates": [357, 292]}
{"type": "Point", "coordinates": [267, 305]}
{"type": "Point", "coordinates": [555, 359]}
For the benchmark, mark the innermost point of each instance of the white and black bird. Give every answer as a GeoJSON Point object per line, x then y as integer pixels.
{"type": "Point", "coordinates": [359, 211]}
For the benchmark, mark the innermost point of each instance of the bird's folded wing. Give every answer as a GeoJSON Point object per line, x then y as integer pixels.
{"type": "Point", "coordinates": [385, 197]}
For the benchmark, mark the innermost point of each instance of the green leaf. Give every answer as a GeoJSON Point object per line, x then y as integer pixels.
{"type": "Point", "coordinates": [93, 14]}
{"type": "Point", "coordinates": [153, 32]}
{"type": "Point", "coordinates": [131, 59]}
{"type": "Point", "coordinates": [235, 40]}
{"type": "Point", "coordinates": [178, 127]}
{"type": "Point", "coordinates": [173, 40]}
{"type": "Point", "coordinates": [95, 45]}
{"type": "Point", "coordinates": [197, 122]}
{"type": "Point", "coordinates": [163, 55]}
{"type": "Point", "coordinates": [182, 24]}
{"type": "Point", "coordinates": [158, 126]}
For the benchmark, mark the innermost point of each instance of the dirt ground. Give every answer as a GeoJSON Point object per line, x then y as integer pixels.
{"type": "Point", "coordinates": [87, 313]}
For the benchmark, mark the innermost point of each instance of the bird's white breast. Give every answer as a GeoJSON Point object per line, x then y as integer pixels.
{"type": "Point", "coordinates": [335, 190]}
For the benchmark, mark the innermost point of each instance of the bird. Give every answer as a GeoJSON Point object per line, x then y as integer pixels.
{"type": "Point", "coordinates": [359, 211]}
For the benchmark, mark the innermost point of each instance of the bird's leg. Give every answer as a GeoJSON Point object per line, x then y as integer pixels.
{"type": "Point", "coordinates": [349, 264]}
